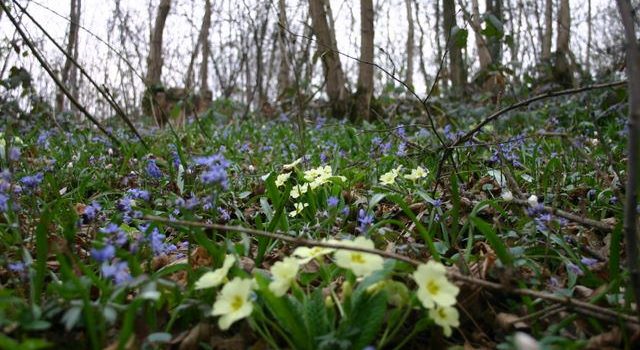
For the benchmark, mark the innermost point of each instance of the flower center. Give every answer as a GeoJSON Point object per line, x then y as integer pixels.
{"type": "Point", "coordinates": [236, 303]}
{"type": "Point", "coordinates": [433, 287]}
{"type": "Point", "coordinates": [442, 313]}
{"type": "Point", "coordinates": [357, 258]}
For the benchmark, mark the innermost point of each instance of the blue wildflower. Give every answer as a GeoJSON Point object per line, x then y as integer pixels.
{"type": "Point", "coordinates": [156, 241]}
{"type": "Point", "coordinates": [575, 269]}
{"type": "Point", "coordinates": [14, 153]}
{"type": "Point", "coordinates": [332, 201]}
{"type": "Point", "coordinates": [118, 271]}
{"type": "Point", "coordinates": [590, 262]}
{"type": "Point", "coordinates": [152, 169]}
{"type": "Point", "coordinates": [32, 181]}
{"type": "Point", "coordinates": [364, 220]}
{"type": "Point", "coordinates": [91, 211]}
{"type": "Point", "coordinates": [105, 254]}
{"type": "Point", "coordinates": [139, 194]}
{"type": "Point", "coordinates": [4, 203]}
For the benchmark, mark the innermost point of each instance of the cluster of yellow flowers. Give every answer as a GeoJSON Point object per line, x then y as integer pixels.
{"type": "Point", "coordinates": [389, 178]}
{"type": "Point", "coordinates": [314, 178]}
{"type": "Point", "coordinates": [234, 301]}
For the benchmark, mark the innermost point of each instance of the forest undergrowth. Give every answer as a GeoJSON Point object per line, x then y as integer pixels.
{"type": "Point", "coordinates": [254, 233]}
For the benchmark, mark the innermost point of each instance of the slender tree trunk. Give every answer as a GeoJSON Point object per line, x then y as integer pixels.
{"type": "Point", "coordinates": [69, 71]}
{"type": "Point", "coordinates": [284, 80]}
{"type": "Point", "coordinates": [457, 70]}
{"type": "Point", "coordinates": [564, 27]}
{"type": "Point", "coordinates": [548, 29]}
{"type": "Point", "coordinates": [588, 58]}
{"type": "Point", "coordinates": [206, 48]}
{"type": "Point", "coordinates": [423, 66]}
{"type": "Point", "coordinates": [154, 60]}
{"type": "Point", "coordinates": [494, 7]}
{"type": "Point", "coordinates": [410, 44]}
{"type": "Point", "coordinates": [633, 163]}
{"type": "Point", "coordinates": [484, 56]}
{"type": "Point", "coordinates": [327, 50]}
{"type": "Point", "coordinates": [365, 74]}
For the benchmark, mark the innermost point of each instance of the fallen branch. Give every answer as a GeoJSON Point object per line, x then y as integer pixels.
{"type": "Point", "coordinates": [569, 216]}
{"type": "Point", "coordinates": [578, 306]}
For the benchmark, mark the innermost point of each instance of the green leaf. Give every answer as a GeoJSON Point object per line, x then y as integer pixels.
{"type": "Point", "coordinates": [367, 317]}
{"type": "Point", "coordinates": [42, 251]}
{"type": "Point", "coordinates": [496, 243]}
{"type": "Point", "coordinates": [493, 27]}
{"type": "Point", "coordinates": [459, 36]}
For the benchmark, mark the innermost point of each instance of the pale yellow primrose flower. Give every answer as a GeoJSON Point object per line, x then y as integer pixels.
{"type": "Point", "coordinates": [299, 190]}
{"type": "Point", "coordinates": [362, 264]}
{"type": "Point", "coordinates": [389, 178]}
{"type": "Point", "coordinates": [445, 317]}
{"type": "Point", "coordinates": [299, 208]}
{"type": "Point", "coordinates": [215, 278]}
{"type": "Point", "coordinates": [417, 174]}
{"type": "Point", "coordinates": [281, 179]}
{"type": "Point", "coordinates": [306, 254]}
{"type": "Point", "coordinates": [433, 286]}
{"type": "Point", "coordinates": [292, 165]}
{"type": "Point", "coordinates": [284, 273]}
{"type": "Point", "coordinates": [233, 302]}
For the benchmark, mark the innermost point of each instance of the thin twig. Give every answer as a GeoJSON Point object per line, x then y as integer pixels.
{"type": "Point", "coordinates": [576, 305]}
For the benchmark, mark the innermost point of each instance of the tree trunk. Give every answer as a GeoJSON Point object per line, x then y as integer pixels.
{"type": "Point", "coordinates": [69, 71]}
{"type": "Point", "coordinates": [484, 55]}
{"type": "Point", "coordinates": [206, 48]}
{"type": "Point", "coordinates": [633, 163]}
{"type": "Point", "coordinates": [410, 45]}
{"type": "Point", "coordinates": [494, 7]}
{"type": "Point", "coordinates": [284, 80]}
{"type": "Point", "coordinates": [564, 26]}
{"type": "Point", "coordinates": [588, 54]}
{"type": "Point", "coordinates": [423, 68]}
{"type": "Point", "coordinates": [457, 71]}
{"type": "Point", "coordinates": [365, 73]}
{"type": "Point", "coordinates": [332, 68]}
{"type": "Point", "coordinates": [154, 60]}
{"type": "Point", "coordinates": [548, 29]}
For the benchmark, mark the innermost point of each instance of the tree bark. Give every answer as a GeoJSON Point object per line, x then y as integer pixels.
{"type": "Point", "coordinates": [494, 7]}
{"type": "Point", "coordinates": [410, 44]}
{"type": "Point", "coordinates": [588, 54]}
{"type": "Point", "coordinates": [365, 73]}
{"type": "Point", "coordinates": [484, 55]}
{"type": "Point", "coordinates": [457, 71]}
{"type": "Point", "coordinates": [206, 48]}
{"type": "Point", "coordinates": [548, 29]}
{"type": "Point", "coordinates": [633, 163]}
{"type": "Point", "coordinates": [564, 26]}
{"type": "Point", "coordinates": [154, 60]}
{"type": "Point", "coordinates": [284, 80]}
{"type": "Point", "coordinates": [327, 50]}
{"type": "Point", "coordinates": [69, 70]}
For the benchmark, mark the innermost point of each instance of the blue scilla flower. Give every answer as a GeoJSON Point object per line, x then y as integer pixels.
{"type": "Point", "coordinates": [332, 202]}
{"type": "Point", "coordinates": [91, 211]}
{"type": "Point", "coordinates": [118, 271]}
{"type": "Point", "coordinates": [152, 169]}
{"type": "Point", "coordinates": [139, 194]}
{"type": "Point", "coordinates": [107, 253]}
{"type": "Point", "coordinates": [32, 181]}
{"type": "Point", "coordinates": [364, 220]}
{"type": "Point", "coordinates": [4, 203]}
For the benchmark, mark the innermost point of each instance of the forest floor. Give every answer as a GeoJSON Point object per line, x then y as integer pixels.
{"type": "Point", "coordinates": [170, 247]}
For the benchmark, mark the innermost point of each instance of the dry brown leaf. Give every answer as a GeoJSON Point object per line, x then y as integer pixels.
{"type": "Point", "coordinates": [508, 321]}
{"type": "Point", "coordinates": [198, 333]}
{"type": "Point", "coordinates": [609, 340]}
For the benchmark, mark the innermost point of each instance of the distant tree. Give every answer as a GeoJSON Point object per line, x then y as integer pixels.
{"type": "Point", "coordinates": [284, 80]}
{"type": "Point", "coordinates": [410, 44]}
{"type": "Point", "coordinates": [68, 75]}
{"type": "Point", "coordinates": [457, 69]}
{"type": "Point", "coordinates": [365, 73]}
{"type": "Point", "coordinates": [327, 51]}
{"type": "Point", "coordinates": [494, 8]}
{"type": "Point", "coordinates": [548, 29]}
{"type": "Point", "coordinates": [154, 60]}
